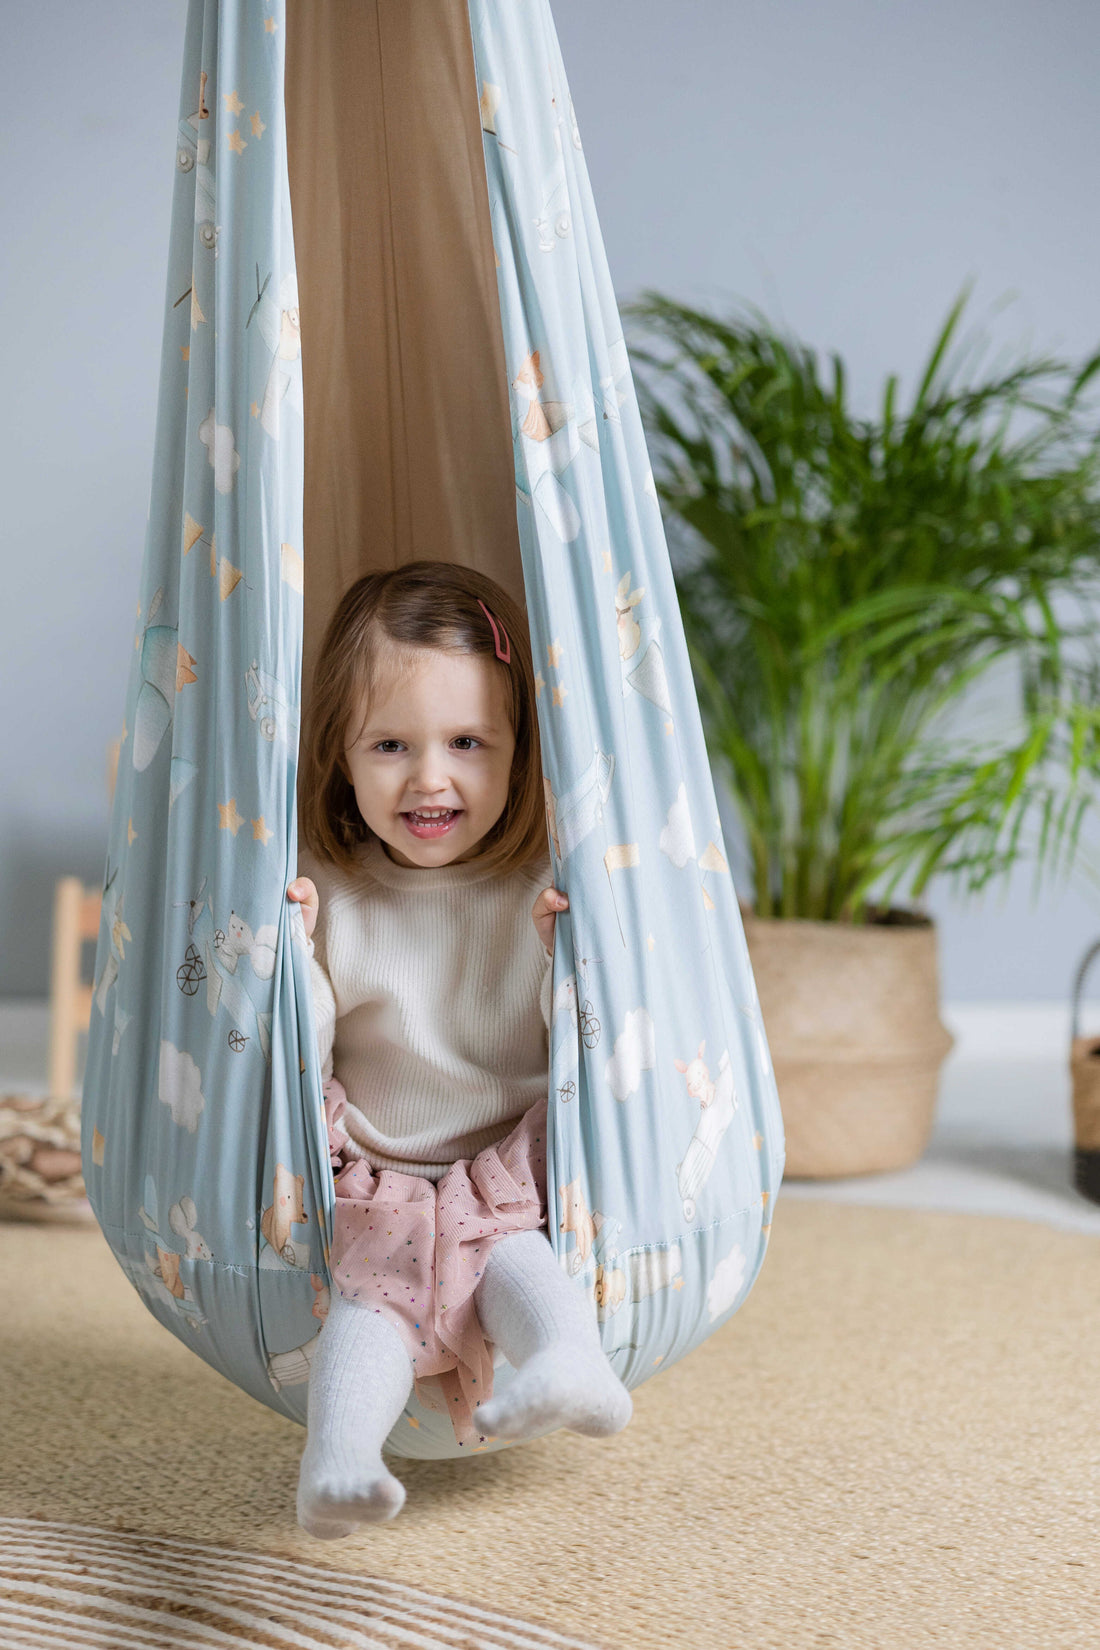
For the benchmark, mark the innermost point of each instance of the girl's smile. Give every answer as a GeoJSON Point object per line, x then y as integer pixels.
{"type": "Point", "coordinates": [427, 826]}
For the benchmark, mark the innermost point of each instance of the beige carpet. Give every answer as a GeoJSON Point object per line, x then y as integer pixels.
{"type": "Point", "coordinates": [896, 1443]}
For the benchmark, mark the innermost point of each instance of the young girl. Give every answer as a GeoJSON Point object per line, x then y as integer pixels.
{"type": "Point", "coordinates": [425, 894]}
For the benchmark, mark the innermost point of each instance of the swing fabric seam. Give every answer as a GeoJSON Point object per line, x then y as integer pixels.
{"type": "Point", "coordinates": [244, 1269]}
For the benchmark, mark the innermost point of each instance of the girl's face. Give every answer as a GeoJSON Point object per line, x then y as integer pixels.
{"type": "Point", "coordinates": [437, 739]}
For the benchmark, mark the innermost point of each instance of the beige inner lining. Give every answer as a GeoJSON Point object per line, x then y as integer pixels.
{"type": "Point", "coordinates": [408, 448]}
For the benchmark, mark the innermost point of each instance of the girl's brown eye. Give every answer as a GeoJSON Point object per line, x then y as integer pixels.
{"type": "Point", "coordinates": [463, 738]}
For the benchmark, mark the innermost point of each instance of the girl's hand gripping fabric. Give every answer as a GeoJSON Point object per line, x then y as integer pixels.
{"type": "Point", "coordinates": [305, 894]}
{"type": "Point", "coordinates": [544, 912]}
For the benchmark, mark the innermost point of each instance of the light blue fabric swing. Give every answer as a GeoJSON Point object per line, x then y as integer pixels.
{"type": "Point", "coordinates": [203, 1125]}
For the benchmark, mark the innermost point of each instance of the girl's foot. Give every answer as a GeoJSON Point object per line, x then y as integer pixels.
{"type": "Point", "coordinates": [358, 1385]}
{"type": "Point", "coordinates": [335, 1497]}
{"type": "Point", "coordinates": [562, 1386]}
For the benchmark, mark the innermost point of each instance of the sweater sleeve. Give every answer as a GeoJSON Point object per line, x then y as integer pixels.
{"type": "Point", "coordinates": [547, 986]}
{"type": "Point", "coordinates": [324, 1003]}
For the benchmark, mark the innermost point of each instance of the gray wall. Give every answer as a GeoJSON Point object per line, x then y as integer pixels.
{"type": "Point", "coordinates": [845, 166]}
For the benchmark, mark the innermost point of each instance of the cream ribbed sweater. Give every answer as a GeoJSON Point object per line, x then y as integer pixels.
{"type": "Point", "coordinates": [427, 991]}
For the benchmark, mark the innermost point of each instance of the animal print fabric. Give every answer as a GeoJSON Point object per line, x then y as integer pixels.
{"type": "Point", "coordinates": [204, 1142]}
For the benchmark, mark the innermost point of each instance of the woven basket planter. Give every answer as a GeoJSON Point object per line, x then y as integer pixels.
{"type": "Point", "coordinates": [852, 1019]}
{"type": "Point", "coordinates": [1084, 1068]}
{"type": "Point", "coordinates": [40, 1175]}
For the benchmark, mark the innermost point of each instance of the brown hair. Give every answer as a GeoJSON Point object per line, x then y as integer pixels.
{"type": "Point", "coordinates": [422, 604]}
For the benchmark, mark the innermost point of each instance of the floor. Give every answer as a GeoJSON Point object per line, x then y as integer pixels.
{"type": "Point", "coordinates": [1002, 1144]}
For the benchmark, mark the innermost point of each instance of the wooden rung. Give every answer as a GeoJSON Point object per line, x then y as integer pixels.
{"type": "Point", "coordinates": [76, 914]}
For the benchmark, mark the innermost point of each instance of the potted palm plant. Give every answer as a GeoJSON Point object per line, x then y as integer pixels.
{"type": "Point", "coordinates": [845, 584]}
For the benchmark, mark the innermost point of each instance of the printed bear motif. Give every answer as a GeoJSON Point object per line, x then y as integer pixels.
{"type": "Point", "coordinates": [286, 1211]}
{"type": "Point", "coordinates": [577, 1219]}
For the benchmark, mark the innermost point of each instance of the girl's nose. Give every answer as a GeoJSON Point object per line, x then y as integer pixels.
{"type": "Point", "coordinates": [430, 774]}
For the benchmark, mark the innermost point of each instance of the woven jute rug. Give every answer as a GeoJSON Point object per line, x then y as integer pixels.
{"type": "Point", "coordinates": [895, 1443]}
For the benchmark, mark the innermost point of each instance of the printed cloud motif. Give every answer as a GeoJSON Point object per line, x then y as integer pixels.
{"type": "Point", "coordinates": [221, 451]}
{"type": "Point", "coordinates": [726, 1284]}
{"type": "Point", "coordinates": [180, 1086]}
{"type": "Point", "coordinates": [677, 839]}
{"type": "Point", "coordinates": [635, 1052]}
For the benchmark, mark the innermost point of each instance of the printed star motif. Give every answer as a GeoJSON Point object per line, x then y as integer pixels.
{"type": "Point", "coordinates": [258, 127]}
{"type": "Point", "coordinates": [270, 25]}
{"type": "Point", "coordinates": [260, 832]}
{"type": "Point", "coordinates": [555, 652]}
{"type": "Point", "coordinates": [758, 1140]}
{"type": "Point", "coordinates": [237, 143]}
{"type": "Point", "coordinates": [131, 834]}
{"type": "Point", "coordinates": [185, 351]}
{"type": "Point", "coordinates": [540, 683]}
{"type": "Point", "coordinates": [232, 102]}
{"type": "Point", "coordinates": [559, 696]}
{"type": "Point", "coordinates": [254, 410]}
{"type": "Point", "coordinates": [230, 819]}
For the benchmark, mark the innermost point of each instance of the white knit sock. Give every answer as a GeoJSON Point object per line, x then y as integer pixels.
{"type": "Point", "coordinates": [547, 1330]}
{"type": "Point", "coordinates": [358, 1385]}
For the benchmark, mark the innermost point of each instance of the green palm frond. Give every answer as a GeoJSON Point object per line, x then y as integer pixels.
{"type": "Point", "coordinates": [843, 581]}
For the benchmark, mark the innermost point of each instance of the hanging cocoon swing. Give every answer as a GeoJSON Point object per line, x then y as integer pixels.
{"type": "Point", "coordinates": [466, 397]}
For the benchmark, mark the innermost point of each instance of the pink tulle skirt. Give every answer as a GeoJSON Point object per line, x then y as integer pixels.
{"type": "Point", "coordinates": [415, 1250]}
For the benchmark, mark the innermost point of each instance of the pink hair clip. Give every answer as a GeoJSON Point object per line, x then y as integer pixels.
{"type": "Point", "coordinates": [505, 657]}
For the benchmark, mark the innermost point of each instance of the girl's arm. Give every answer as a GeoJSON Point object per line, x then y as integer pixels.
{"type": "Point", "coordinates": [543, 913]}
{"type": "Point", "coordinates": [324, 1014]}
{"type": "Point", "coordinates": [545, 993]}
{"type": "Point", "coordinates": [304, 892]}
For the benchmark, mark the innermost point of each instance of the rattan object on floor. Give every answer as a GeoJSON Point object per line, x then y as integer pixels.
{"type": "Point", "coordinates": [40, 1173]}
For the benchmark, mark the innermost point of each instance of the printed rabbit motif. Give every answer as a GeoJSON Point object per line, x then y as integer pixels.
{"type": "Point", "coordinates": [630, 635]}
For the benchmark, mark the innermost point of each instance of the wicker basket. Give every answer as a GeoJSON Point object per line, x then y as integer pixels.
{"type": "Point", "coordinates": [40, 1172]}
{"type": "Point", "coordinates": [1084, 1066]}
{"type": "Point", "coordinates": [852, 1018]}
